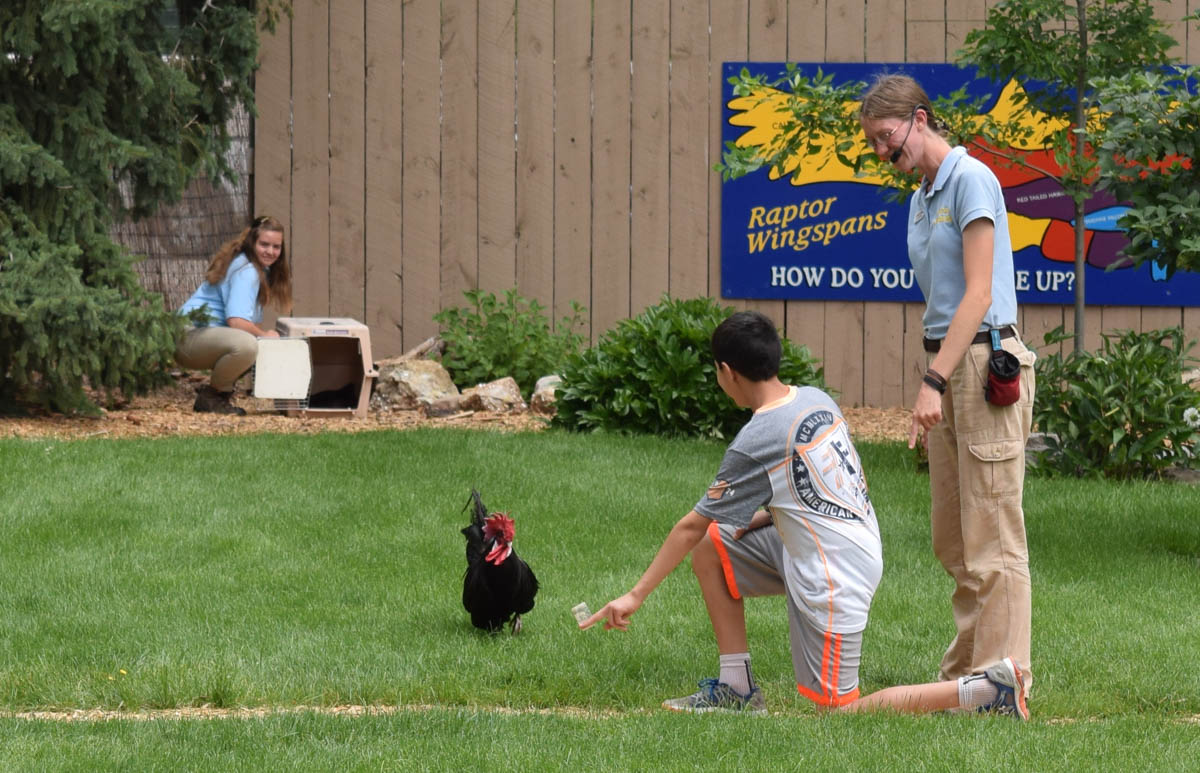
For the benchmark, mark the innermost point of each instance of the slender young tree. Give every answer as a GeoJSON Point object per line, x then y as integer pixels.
{"type": "Point", "coordinates": [1055, 48]}
{"type": "Point", "coordinates": [104, 113]}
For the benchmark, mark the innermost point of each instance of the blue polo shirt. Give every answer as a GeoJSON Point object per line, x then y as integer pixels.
{"type": "Point", "coordinates": [234, 296]}
{"type": "Point", "coordinates": [964, 190]}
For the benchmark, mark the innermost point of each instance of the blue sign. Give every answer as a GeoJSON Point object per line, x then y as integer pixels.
{"type": "Point", "coordinates": [827, 235]}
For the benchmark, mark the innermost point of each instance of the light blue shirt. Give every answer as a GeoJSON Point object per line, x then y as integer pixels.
{"type": "Point", "coordinates": [964, 190]}
{"type": "Point", "coordinates": [234, 296]}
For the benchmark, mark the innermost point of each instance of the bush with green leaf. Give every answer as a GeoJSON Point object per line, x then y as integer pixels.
{"type": "Point", "coordinates": [106, 114]}
{"type": "Point", "coordinates": [654, 373]}
{"type": "Point", "coordinates": [1122, 412]}
{"type": "Point", "coordinates": [491, 338]}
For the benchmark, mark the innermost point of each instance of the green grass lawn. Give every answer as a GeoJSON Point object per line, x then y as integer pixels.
{"type": "Point", "coordinates": [288, 571]}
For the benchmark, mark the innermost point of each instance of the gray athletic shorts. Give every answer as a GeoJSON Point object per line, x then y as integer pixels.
{"type": "Point", "coordinates": [820, 659]}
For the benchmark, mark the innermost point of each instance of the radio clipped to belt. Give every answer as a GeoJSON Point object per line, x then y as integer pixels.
{"type": "Point", "coordinates": [1004, 375]}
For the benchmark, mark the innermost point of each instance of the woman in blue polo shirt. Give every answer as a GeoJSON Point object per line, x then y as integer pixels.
{"type": "Point", "coordinates": [245, 275]}
{"type": "Point", "coordinates": [959, 247]}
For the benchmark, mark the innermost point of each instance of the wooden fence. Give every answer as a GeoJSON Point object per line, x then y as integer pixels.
{"type": "Point", "coordinates": [417, 149]}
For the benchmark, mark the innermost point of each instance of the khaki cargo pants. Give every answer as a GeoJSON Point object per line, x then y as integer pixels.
{"type": "Point", "coordinates": [977, 477]}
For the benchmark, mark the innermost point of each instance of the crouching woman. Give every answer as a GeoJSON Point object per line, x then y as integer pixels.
{"type": "Point", "coordinates": [247, 273]}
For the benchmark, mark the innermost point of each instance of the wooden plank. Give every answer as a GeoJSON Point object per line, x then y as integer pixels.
{"type": "Point", "coordinates": [966, 10]}
{"type": "Point", "coordinates": [1172, 13]}
{"type": "Point", "coordinates": [460, 152]}
{"type": "Point", "coordinates": [1113, 319]}
{"type": "Point", "coordinates": [883, 354]}
{"type": "Point", "coordinates": [962, 17]}
{"type": "Point", "coordinates": [572, 256]}
{"type": "Point", "coordinates": [915, 360]}
{"type": "Point", "coordinates": [650, 167]}
{"type": "Point", "coordinates": [1036, 321]}
{"type": "Point", "coordinates": [1191, 328]}
{"type": "Point", "coordinates": [421, 240]}
{"type": "Point", "coordinates": [310, 158]}
{"type": "Point", "coordinates": [728, 43]}
{"type": "Point", "coordinates": [1159, 317]}
{"type": "Point", "coordinates": [768, 30]}
{"type": "Point", "coordinates": [767, 43]}
{"type": "Point", "coordinates": [806, 325]}
{"type": "Point", "coordinates": [347, 171]}
{"type": "Point", "coordinates": [1093, 324]}
{"type": "Point", "coordinates": [497, 146]}
{"type": "Point", "coordinates": [611, 152]}
{"type": "Point", "coordinates": [956, 36]}
{"type": "Point", "coordinates": [843, 333]}
{"type": "Point", "coordinates": [805, 320]}
{"type": "Point", "coordinates": [844, 32]}
{"type": "Point", "coordinates": [273, 127]}
{"type": "Point", "coordinates": [384, 178]}
{"type": "Point", "coordinates": [690, 151]}
{"type": "Point", "coordinates": [926, 41]}
{"type": "Point", "coordinates": [806, 30]}
{"type": "Point", "coordinates": [535, 151]}
{"type": "Point", "coordinates": [1191, 49]}
{"type": "Point", "coordinates": [927, 10]}
{"type": "Point", "coordinates": [844, 350]}
{"type": "Point", "coordinates": [883, 18]}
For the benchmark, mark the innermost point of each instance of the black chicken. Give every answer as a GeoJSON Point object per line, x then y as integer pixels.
{"type": "Point", "coordinates": [498, 585]}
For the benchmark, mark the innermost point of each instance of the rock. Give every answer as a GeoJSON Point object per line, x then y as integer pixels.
{"type": "Point", "coordinates": [542, 401]}
{"type": "Point", "coordinates": [408, 384]}
{"type": "Point", "coordinates": [447, 406]}
{"type": "Point", "coordinates": [502, 396]}
{"type": "Point", "coordinates": [1035, 446]}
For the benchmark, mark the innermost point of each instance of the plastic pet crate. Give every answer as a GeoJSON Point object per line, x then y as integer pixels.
{"type": "Point", "coordinates": [319, 366]}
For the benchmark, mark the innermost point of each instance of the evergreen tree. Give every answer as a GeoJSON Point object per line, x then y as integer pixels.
{"type": "Point", "coordinates": [96, 95]}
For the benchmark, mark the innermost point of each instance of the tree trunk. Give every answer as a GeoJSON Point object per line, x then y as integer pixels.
{"type": "Point", "coordinates": [1080, 125]}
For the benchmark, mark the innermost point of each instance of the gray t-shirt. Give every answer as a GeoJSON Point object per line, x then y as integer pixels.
{"type": "Point", "coordinates": [795, 458]}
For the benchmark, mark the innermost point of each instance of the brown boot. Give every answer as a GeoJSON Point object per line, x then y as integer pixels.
{"type": "Point", "coordinates": [209, 400]}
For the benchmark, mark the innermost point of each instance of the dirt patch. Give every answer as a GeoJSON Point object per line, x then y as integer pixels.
{"type": "Point", "coordinates": [168, 412]}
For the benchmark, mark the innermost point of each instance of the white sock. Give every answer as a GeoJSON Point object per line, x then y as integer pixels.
{"type": "Point", "coordinates": [735, 672]}
{"type": "Point", "coordinates": [976, 691]}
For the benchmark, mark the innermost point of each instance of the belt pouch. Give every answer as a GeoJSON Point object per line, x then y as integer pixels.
{"type": "Point", "coordinates": [1004, 375]}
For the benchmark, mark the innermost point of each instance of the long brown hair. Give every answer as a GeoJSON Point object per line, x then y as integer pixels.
{"type": "Point", "coordinates": [274, 283]}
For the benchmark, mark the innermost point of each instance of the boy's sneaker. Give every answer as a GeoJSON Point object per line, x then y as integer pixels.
{"type": "Point", "coordinates": [1010, 683]}
{"type": "Point", "coordinates": [715, 695]}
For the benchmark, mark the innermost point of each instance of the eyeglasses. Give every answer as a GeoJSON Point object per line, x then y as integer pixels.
{"type": "Point", "coordinates": [261, 220]}
{"type": "Point", "coordinates": [882, 138]}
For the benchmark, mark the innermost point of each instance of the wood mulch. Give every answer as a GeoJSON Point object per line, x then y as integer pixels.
{"type": "Point", "coordinates": [168, 412]}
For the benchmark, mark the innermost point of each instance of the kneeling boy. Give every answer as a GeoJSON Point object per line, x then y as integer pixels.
{"type": "Point", "coordinates": [794, 458]}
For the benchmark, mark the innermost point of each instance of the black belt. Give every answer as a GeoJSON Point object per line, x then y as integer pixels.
{"type": "Point", "coordinates": [933, 345]}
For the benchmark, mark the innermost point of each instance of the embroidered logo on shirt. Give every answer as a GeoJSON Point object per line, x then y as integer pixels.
{"type": "Point", "coordinates": [942, 216]}
{"type": "Point", "coordinates": [719, 489]}
{"type": "Point", "coordinates": [827, 476]}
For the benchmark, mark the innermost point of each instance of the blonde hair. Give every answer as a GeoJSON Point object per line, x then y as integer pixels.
{"type": "Point", "coordinates": [897, 96]}
{"type": "Point", "coordinates": [274, 283]}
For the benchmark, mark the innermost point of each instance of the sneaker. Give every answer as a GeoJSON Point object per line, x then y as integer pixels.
{"type": "Point", "coordinates": [1010, 683]}
{"type": "Point", "coordinates": [209, 400]}
{"type": "Point", "coordinates": [715, 695]}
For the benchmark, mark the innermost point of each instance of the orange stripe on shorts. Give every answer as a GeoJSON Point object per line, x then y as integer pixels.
{"type": "Point", "coordinates": [831, 666]}
{"type": "Point", "coordinates": [714, 533]}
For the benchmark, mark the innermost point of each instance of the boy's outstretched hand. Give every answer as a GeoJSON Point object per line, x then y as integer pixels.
{"type": "Point", "coordinates": [615, 613]}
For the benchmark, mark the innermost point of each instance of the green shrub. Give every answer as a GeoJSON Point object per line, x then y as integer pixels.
{"type": "Point", "coordinates": [654, 374]}
{"type": "Point", "coordinates": [1122, 412]}
{"type": "Point", "coordinates": [490, 339]}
